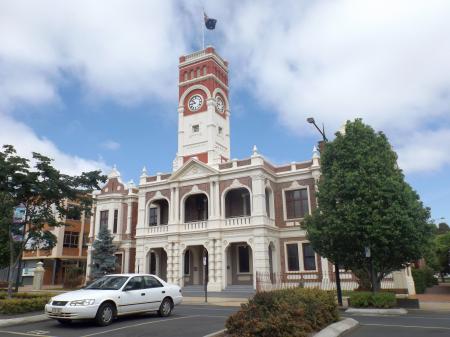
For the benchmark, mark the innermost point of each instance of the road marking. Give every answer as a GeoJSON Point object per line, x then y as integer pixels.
{"type": "Point", "coordinates": [200, 308]}
{"type": "Point", "coordinates": [23, 333]}
{"type": "Point", "coordinates": [407, 326]}
{"type": "Point", "coordinates": [140, 324]}
{"type": "Point", "coordinates": [38, 332]}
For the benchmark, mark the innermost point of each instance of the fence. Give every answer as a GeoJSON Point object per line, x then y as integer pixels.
{"type": "Point", "coordinates": [272, 281]}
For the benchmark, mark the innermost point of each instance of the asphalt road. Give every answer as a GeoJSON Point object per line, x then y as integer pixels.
{"type": "Point", "coordinates": [185, 321]}
{"type": "Point", "coordinates": [416, 323]}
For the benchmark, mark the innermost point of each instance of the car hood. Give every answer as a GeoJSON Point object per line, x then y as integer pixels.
{"type": "Point", "coordinates": [85, 294]}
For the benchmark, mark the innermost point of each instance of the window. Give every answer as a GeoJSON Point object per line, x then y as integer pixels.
{"type": "Point", "coordinates": [296, 203]}
{"type": "Point", "coordinates": [116, 216]}
{"type": "Point", "coordinates": [198, 72]}
{"type": "Point", "coordinates": [71, 239]}
{"type": "Point", "coordinates": [192, 74]}
{"type": "Point", "coordinates": [309, 257]}
{"type": "Point", "coordinates": [244, 259]}
{"type": "Point", "coordinates": [220, 130]}
{"type": "Point", "coordinates": [187, 258]}
{"type": "Point", "coordinates": [151, 282]}
{"type": "Point", "coordinates": [267, 193]}
{"type": "Point", "coordinates": [204, 70]}
{"type": "Point", "coordinates": [185, 76]}
{"type": "Point", "coordinates": [135, 283]}
{"type": "Point", "coordinates": [104, 218]}
{"type": "Point", "coordinates": [153, 216]}
{"type": "Point", "coordinates": [292, 257]}
{"type": "Point", "coordinates": [195, 128]}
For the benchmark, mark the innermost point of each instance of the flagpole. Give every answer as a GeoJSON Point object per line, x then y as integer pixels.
{"type": "Point", "coordinates": [203, 30]}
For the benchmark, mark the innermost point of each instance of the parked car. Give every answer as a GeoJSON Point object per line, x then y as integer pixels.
{"type": "Point", "coordinates": [115, 295]}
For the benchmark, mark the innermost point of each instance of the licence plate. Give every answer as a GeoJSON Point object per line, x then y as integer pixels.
{"type": "Point", "coordinates": [56, 310]}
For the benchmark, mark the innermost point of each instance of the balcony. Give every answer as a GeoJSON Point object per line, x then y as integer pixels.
{"type": "Point", "coordinates": [204, 225]}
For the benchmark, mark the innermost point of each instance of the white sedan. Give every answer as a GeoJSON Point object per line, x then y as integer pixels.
{"type": "Point", "coordinates": [115, 295]}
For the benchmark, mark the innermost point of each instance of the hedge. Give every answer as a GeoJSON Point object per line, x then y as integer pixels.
{"type": "Point", "coordinates": [289, 312]}
{"type": "Point", "coordinates": [423, 278]}
{"type": "Point", "coordinates": [361, 299]}
{"type": "Point", "coordinates": [23, 302]}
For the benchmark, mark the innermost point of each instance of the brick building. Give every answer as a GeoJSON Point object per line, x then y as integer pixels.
{"type": "Point", "coordinates": [69, 251]}
{"type": "Point", "coordinates": [231, 218]}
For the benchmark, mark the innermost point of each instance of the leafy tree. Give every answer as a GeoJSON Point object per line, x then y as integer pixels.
{"type": "Point", "coordinates": [42, 191]}
{"type": "Point", "coordinates": [104, 260]}
{"type": "Point", "coordinates": [442, 254]}
{"type": "Point", "coordinates": [443, 228]}
{"type": "Point", "coordinates": [364, 202]}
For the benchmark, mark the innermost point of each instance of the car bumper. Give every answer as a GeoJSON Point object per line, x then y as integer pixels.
{"type": "Point", "coordinates": [177, 300]}
{"type": "Point", "coordinates": [68, 312]}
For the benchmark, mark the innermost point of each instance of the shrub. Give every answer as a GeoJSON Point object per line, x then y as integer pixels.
{"type": "Point", "coordinates": [419, 280]}
{"type": "Point", "coordinates": [21, 305]}
{"type": "Point", "coordinates": [288, 312]}
{"type": "Point", "coordinates": [378, 300]}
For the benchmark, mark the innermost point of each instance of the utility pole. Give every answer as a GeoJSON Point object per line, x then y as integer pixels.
{"type": "Point", "coordinates": [337, 275]}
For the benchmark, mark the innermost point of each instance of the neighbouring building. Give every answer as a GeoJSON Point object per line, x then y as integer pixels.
{"type": "Point", "coordinates": [70, 250]}
{"type": "Point", "coordinates": [236, 221]}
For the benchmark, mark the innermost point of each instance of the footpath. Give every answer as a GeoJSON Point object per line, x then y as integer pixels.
{"type": "Point", "coordinates": [436, 298]}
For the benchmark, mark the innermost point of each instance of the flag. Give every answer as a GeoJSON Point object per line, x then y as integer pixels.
{"type": "Point", "coordinates": [210, 23]}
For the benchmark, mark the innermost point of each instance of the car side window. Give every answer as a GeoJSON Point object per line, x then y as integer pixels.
{"type": "Point", "coordinates": [135, 283]}
{"type": "Point", "coordinates": [151, 282]}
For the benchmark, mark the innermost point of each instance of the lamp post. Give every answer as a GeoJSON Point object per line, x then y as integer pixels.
{"type": "Point", "coordinates": [311, 120]}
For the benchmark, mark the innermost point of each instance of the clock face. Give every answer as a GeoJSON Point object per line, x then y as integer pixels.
{"type": "Point", "coordinates": [195, 102]}
{"type": "Point", "coordinates": [220, 105]}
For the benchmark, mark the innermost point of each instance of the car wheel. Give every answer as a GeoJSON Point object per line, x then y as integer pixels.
{"type": "Point", "coordinates": [65, 321]}
{"type": "Point", "coordinates": [165, 309]}
{"type": "Point", "coordinates": [105, 314]}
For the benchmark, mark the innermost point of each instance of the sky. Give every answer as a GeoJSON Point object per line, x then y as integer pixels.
{"type": "Point", "coordinates": [94, 83]}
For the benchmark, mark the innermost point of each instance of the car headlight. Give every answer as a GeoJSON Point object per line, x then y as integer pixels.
{"type": "Point", "coordinates": [50, 300]}
{"type": "Point", "coordinates": [81, 302]}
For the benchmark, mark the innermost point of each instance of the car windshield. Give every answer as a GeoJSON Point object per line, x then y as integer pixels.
{"type": "Point", "coordinates": [108, 283]}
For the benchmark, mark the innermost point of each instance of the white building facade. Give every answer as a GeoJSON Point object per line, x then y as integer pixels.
{"type": "Point", "coordinates": [232, 222]}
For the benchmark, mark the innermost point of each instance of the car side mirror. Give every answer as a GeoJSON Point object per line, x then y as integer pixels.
{"type": "Point", "coordinates": [128, 287]}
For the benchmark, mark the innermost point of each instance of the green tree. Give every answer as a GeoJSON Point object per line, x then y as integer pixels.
{"type": "Point", "coordinates": [364, 202]}
{"type": "Point", "coordinates": [42, 191]}
{"type": "Point", "coordinates": [442, 253]}
{"type": "Point", "coordinates": [104, 260]}
{"type": "Point", "coordinates": [443, 228]}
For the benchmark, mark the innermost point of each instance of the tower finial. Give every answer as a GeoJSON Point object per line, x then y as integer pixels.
{"type": "Point", "coordinates": [255, 150]}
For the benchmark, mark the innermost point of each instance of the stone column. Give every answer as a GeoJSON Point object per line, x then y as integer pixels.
{"type": "Point", "coordinates": [176, 263]}
{"type": "Point", "coordinates": [88, 262]}
{"type": "Point", "coordinates": [126, 264]}
{"type": "Point", "coordinates": [38, 278]}
{"type": "Point", "coordinates": [260, 252]}
{"type": "Point", "coordinates": [259, 195]}
{"type": "Point", "coordinates": [169, 263]}
{"type": "Point", "coordinates": [129, 215]}
{"type": "Point", "coordinates": [141, 211]}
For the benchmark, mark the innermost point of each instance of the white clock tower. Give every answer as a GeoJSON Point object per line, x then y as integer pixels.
{"type": "Point", "coordinates": [203, 109]}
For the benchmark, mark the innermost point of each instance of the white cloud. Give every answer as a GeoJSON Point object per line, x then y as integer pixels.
{"type": "Point", "coordinates": [26, 141]}
{"type": "Point", "coordinates": [425, 151]}
{"type": "Point", "coordinates": [127, 50]}
{"type": "Point", "coordinates": [110, 145]}
{"type": "Point", "coordinates": [384, 61]}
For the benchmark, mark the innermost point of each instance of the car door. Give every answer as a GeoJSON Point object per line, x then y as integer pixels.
{"type": "Point", "coordinates": [133, 296]}
{"type": "Point", "coordinates": [155, 292]}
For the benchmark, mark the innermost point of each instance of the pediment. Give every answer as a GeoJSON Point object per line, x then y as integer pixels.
{"type": "Point", "coordinates": [193, 169]}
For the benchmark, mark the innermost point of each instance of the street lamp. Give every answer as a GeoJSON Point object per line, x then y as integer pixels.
{"type": "Point", "coordinates": [311, 120]}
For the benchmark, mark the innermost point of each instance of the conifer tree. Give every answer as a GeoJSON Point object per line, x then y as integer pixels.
{"type": "Point", "coordinates": [103, 258]}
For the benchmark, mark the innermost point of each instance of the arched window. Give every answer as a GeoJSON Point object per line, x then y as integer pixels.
{"type": "Point", "coordinates": [196, 208]}
{"type": "Point", "coordinates": [268, 194]}
{"type": "Point", "coordinates": [198, 72]}
{"type": "Point", "coordinates": [158, 213]}
{"type": "Point", "coordinates": [185, 75]}
{"type": "Point", "coordinates": [204, 71]}
{"type": "Point", "coordinates": [192, 74]}
{"type": "Point", "coordinates": [237, 203]}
